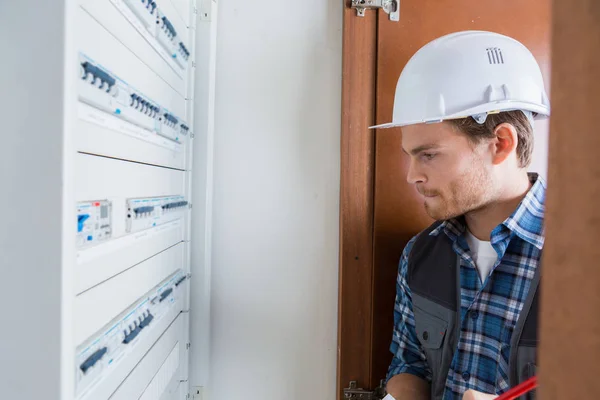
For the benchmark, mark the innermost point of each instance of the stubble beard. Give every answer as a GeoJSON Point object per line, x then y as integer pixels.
{"type": "Point", "coordinates": [467, 193]}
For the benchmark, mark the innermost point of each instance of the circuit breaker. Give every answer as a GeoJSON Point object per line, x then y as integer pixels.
{"type": "Point", "coordinates": [148, 213]}
{"type": "Point", "coordinates": [93, 222]}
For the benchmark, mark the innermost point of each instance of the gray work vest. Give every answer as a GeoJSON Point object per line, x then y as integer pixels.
{"type": "Point", "coordinates": [433, 277]}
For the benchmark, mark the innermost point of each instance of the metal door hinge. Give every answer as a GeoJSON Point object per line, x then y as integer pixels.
{"type": "Point", "coordinates": [391, 7]}
{"type": "Point", "coordinates": [188, 345]}
{"type": "Point", "coordinates": [355, 393]}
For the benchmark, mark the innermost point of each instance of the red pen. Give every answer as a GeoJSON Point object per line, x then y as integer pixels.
{"type": "Point", "coordinates": [519, 390]}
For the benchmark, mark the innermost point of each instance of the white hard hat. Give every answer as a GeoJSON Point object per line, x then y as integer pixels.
{"type": "Point", "coordinates": [468, 74]}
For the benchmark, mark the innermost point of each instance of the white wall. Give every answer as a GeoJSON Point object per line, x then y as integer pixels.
{"type": "Point", "coordinates": [539, 160]}
{"type": "Point", "coordinates": [276, 190]}
{"type": "Point", "coordinates": [34, 99]}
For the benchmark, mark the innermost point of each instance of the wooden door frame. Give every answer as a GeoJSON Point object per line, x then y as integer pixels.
{"type": "Point", "coordinates": [355, 312]}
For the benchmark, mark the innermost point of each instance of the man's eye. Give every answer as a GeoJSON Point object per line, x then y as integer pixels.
{"type": "Point", "coordinates": [427, 156]}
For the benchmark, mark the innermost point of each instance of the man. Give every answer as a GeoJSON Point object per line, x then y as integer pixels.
{"type": "Point", "coordinates": [465, 318]}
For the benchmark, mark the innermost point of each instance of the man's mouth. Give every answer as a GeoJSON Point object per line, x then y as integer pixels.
{"type": "Point", "coordinates": [427, 193]}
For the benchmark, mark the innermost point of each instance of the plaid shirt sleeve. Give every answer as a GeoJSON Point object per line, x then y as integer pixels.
{"type": "Point", "coordinates": [408, 354]}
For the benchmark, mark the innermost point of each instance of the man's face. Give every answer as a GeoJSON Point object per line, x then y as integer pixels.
{"type": "Point", "coordinates": [453, 175]}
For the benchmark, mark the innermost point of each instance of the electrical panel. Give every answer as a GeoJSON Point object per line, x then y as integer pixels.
{"type": "Point", "coordinates": [131, 96]}
{"type": "Point", "coordinates": [100, 355]}
{"type": "Point", "coordinates": [93, 222]}
{"type": "Point", "coordinates": [131, 134]}
{"type": "Point", "coordinates": [150, 212]}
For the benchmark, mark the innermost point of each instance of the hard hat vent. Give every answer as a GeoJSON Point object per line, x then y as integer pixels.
{"type": "Point", "coordinates": [495, 55]}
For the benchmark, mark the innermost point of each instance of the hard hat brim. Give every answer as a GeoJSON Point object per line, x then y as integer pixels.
{"type": "Point", "coordinates": [385, 126]}
{"type": "Point", "coordinates": [541, 113]}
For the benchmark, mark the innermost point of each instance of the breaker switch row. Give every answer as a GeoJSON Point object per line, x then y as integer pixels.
{"type": "Point", "coordinates": [144, 106]}
{"type": "Point", "coordinates": [97, 76]}
{"type": "Point", "coordinates": [119, 99]}
{"type": "Point", "coordinates": [147, 318]}
{"type": "Point", "coordinates": [153, 17]}
{"type": "Point", "coordinates": [101, 353]}
{"type": "Point", "coordinates": [132, 333]}
{"type": "Point", "coordinates": [168, 28]}
{"type": "Point", "coordinates": [170, 118]}
{"type": "Point", "coordinates": [180, 281]}
{"type": "Point", "coordinates": [177, 204]}
{"type": "Point", "coordinates": [145, 213]}
{"type": "Point", "coordinates": [185, 129]}
{"type": "Point", "coordinates": [185, 54]}
{"type": "Point", "coordinates": [150, 5]}
{"type": "Point", "coordinates": [165, 294]}
{"type": "Point", "coordinates": [93, 359]}
{"type": "Point", "coordinates": [143, 210]}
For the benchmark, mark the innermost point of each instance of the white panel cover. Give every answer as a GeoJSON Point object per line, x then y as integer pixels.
{"type": "Point", "coordinates": [97, 306]}
{"type": "Point", "coordinates": [176, 390]}
{"type": "Point", "coordinates": [98, 132]}
{"type": "Point", "coordinates": [161, 380]}
{"type": "Point", "coordinates": [102, 262]}
{"type": "Point", "coordinates": [101, 177]}
{"type": "Point", "coordinates": [183, 8]}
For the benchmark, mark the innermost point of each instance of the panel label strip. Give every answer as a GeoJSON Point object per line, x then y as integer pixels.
{"type": "Point", "coordinates": [92, 253]}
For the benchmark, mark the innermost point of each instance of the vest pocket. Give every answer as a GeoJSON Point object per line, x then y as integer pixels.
{"type": "Point", "coordinates": [526, 366]}
{"type": "Point", "coordinates": [430, 329]}
{"type": "Point", "coordinates": [431, 332]}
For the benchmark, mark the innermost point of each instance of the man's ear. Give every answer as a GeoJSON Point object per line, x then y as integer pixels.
{"type": "Point", "coordinates": [505, 142]}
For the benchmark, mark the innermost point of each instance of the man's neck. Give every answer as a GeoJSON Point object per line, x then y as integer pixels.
{"type": "Point", "coordinates": [482, 222]}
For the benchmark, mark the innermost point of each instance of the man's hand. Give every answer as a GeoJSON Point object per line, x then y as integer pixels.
{"type": "Point", "coordinates": [408, 387]}
{"type": "Point", "coordinates": [475, 395]}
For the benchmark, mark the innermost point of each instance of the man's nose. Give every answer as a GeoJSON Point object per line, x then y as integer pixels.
{"type": "Point", "coordinates": [414, 175]}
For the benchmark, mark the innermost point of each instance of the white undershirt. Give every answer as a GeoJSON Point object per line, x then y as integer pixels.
{"type": "Point", "coordinates": [483, 254]}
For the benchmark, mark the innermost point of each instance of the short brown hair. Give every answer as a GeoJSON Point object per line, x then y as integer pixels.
{"type": "Point", "coordinates": [476, 132]}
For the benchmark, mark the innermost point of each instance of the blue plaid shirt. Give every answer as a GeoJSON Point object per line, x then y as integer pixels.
{"type": "Point", "coordinates": [481, 362]}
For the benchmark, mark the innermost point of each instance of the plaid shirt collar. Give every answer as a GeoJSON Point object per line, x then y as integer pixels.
{"type": "Point", "coordinates": [526, 222]}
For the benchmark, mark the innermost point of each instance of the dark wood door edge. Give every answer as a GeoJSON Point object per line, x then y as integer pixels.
{"type": "Point", "coordinates": [569, 340]}
{"type": "Point", "coordinates": [356, 199]}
